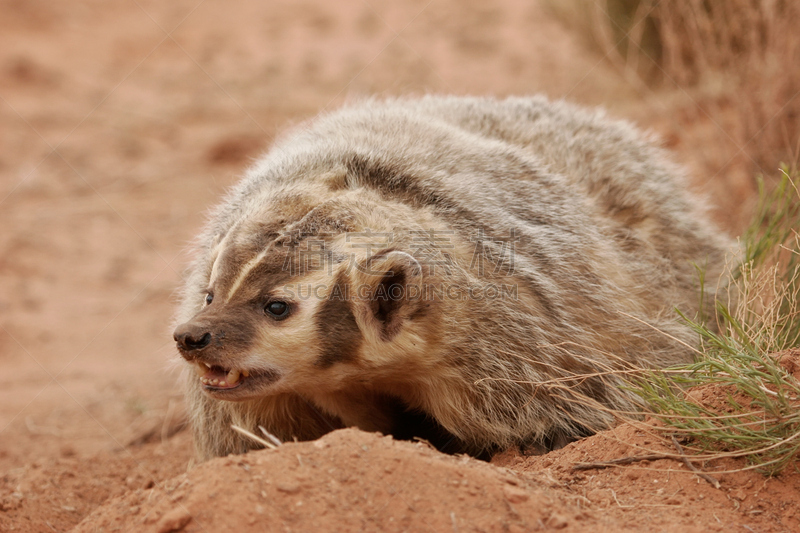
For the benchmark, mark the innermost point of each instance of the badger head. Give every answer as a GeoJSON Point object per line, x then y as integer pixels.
{"type": "Point", "coordinates": [313, 296]}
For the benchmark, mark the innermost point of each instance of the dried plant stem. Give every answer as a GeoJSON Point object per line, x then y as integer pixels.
{"type": "Point", "coordinates": [254, 437]}
{"type": "Point", "coordinates": [621, 461]}
{"type": "Point", "coordinates": [691, 467]}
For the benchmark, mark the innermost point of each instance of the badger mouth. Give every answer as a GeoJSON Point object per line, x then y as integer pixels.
{"type": "Point", "coordinates": [221, 382]}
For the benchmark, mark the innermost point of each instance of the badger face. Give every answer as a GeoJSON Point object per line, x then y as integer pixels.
{"type": "Point", "coordinates": [248, 345]}
{"type": "Point", "coordinates": [268, 325]}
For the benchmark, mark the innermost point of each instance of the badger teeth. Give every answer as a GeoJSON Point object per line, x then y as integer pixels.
{"type": "Point", "coordinates": [233, 377]}
{"type": "Point", "coordinates": [229, 379]}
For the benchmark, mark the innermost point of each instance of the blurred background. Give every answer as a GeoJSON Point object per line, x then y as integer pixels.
{"type": "Point", "coordinates": [122, 122]}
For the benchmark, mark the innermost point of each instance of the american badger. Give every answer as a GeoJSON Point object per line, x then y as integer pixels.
{"type": "Point", "coordinates": [471, 271]}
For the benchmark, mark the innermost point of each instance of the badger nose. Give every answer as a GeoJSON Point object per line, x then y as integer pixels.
{"type": "Point", "coordinates": [191, 337]}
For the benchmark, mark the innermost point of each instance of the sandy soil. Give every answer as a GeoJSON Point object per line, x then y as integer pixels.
{"type": "Point", "coordinates": [123, 122]}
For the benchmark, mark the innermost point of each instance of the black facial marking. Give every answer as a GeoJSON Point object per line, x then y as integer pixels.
{"type": "Point", "coordinates": [340, 337]}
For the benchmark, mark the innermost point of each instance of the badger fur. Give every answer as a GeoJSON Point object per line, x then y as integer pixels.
{"type": "Point", "coordinates": [477, 272]}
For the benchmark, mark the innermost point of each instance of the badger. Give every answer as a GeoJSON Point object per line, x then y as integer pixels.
{"type": "Point", "coordinates": [476, 272]}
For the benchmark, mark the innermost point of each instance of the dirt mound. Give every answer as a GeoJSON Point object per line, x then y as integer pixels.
{"type": "Point", "coordinates": [664, 494]}
{"type": "Point", "coordinates": [347, 481]}
{"type": "Point", "coordinates": [355, 481]}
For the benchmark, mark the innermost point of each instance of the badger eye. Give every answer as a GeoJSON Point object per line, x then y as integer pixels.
{"type": "Point", "coordinates": [209, 298]}
{"type": "Point", "coordinates": [277, 310]}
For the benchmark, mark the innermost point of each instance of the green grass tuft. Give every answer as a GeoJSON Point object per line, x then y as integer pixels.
{"type": "Point", "coordinates": [737, 399]}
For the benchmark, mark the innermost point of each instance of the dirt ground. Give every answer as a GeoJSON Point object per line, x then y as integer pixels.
{"type": "Point", "coordinates": [123, 122]}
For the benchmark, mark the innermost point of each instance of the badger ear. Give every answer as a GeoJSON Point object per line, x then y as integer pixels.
{"type": "Point", "coordinates": [387, 289]}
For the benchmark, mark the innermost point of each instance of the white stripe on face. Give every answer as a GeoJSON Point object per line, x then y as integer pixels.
{"type": "Point", "coordinates": [217, 254]}
{"type": "Point", "coordinates": [246, 269]}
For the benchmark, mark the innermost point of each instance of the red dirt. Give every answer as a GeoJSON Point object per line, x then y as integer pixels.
{"type": "Point", "coordinates": [355, 481]}
{"type": "Point", "coordinates": [123, 122]}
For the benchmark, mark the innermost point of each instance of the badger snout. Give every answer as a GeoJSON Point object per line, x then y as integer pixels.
{"type": "Point", "coordinates": [191, 338]}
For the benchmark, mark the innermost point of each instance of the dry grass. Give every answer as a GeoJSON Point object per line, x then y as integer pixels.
{"type": "Point", "coordinates": [742, 400]}
{"type": "Point", "coordinates": [754, 46]}
{"type": "Point", "coordinates": [740, 58]}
